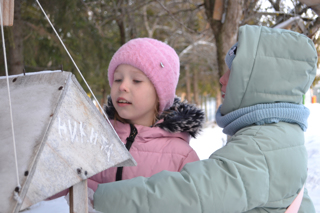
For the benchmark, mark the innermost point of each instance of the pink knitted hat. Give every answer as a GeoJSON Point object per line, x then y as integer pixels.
{"type": "Point", "coordinates": [159, 62]}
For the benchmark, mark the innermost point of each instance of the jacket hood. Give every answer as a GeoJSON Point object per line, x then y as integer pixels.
{"type": "Point", "coordinates": [271, 66]}
{"type": "Point", "coordinates": [180, 117]}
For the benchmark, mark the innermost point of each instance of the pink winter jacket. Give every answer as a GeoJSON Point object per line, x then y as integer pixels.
{"type": "Point", "coordinates": [164, 147]}
{"type": "Point", "coordinates": [154, 150]}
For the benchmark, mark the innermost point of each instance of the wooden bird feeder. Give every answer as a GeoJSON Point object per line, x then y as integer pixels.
{"type": "Point", "coordinates": [61, 140]}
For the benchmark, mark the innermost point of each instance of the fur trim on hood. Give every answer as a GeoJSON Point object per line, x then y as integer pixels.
{"type": "Point", "coordinates": [180, 117]}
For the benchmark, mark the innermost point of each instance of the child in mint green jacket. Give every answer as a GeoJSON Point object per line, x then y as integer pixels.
{"type": "Point", "coordinates": [263, 166]}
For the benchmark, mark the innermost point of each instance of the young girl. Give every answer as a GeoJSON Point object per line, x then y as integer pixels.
{"type": "Point", "coordinates": [154, 125]}
{"type": "Point", "coordinates": [263, 166]}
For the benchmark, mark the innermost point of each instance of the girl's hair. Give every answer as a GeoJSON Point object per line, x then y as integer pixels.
{"type": "Point", "coordinates": [155, 116]}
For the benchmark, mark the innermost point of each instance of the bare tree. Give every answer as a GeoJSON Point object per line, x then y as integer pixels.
{"type": "Point", "coordinates": [15, 57]}
{"type": "Point", "coordinates": [224, 29]}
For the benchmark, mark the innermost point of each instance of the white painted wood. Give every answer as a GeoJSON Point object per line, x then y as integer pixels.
{"type": "Point", "coordinates": [33, 101]}
{"type": "Point", "coordinates": [79, 198]}
{"type": "Point", "coordinates": [58, 131]}
{"type": "Point", "coordinates": [7, 12]}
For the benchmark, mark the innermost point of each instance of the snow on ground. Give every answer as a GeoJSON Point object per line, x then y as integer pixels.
{"type": "Point", "coordinates": [58, 205]}
{"type": "Point", "coordinates": [312, 142]}
{"type": "Point", "coordinates": [211, 139]}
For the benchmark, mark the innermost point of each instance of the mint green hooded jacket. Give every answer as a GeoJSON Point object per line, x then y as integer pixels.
{"type": "Point", "coordinates": [263, 167]}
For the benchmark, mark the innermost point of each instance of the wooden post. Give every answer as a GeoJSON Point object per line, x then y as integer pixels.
{"type": "Point", "coordinates": [218, 9]}
{"type": "Point", "coordinates": [7, 7]}
{"type": "Point", "coordinates": [79, 198]}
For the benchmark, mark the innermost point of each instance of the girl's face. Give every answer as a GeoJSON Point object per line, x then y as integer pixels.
{"type": "Point", "coordinates": [224, 81]}
{"type": "Point", "coordinates": [133, 95]}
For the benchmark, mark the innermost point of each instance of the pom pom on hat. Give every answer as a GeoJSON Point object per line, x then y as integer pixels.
{"type": "Point", "coordinates": [157, 60]}
{"type": "Point", "coordinates": [231, 54]}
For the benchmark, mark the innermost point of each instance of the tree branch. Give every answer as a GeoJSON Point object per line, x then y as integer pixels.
{"type": "Point", "coordinates": [314, 27]}
{"type": "Point", "coordinates": [42, 31]}
{"type": "Point", "coordinates": [174, 18]}
{"type": "Point", "coordinates": [275, 5]}
{"type": "Point", "coordinates": [277, 13]}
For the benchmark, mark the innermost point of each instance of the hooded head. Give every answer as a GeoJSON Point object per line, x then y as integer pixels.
{"type": "Point", "coordinates": [270, 66]}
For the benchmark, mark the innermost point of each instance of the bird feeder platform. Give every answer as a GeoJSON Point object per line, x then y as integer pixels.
{"type": "Point", "coordinates": [61, 138]}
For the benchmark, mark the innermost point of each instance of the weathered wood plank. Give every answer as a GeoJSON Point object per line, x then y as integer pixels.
{"type": "Point", "coordinates": [33, 100]}
{"type": "Point", "coordinates": [7, 12]}
{"type": "Point", "coordinates": [79, 198]}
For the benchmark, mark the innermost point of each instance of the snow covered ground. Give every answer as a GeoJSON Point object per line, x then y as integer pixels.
{"type": "Point", "coordinates": [312, 142]}
{"type": "Point", "coordinates": [58, 205]}
{"type": "Point", "coordinates": [212, 139]}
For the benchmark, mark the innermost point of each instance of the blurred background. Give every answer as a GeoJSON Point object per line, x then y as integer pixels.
{"type": "Point", "coordinates": [201, 32]}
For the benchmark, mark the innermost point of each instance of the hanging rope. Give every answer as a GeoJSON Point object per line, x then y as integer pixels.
{"type": "Point", "coordinates": [74, 63]}
{"type": "Point", "coordinates": [17, 189]}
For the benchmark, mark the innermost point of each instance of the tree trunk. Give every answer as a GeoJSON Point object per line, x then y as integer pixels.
{"type": "Point", "coordinates": [195, 87]}
{"type": "Point", "coordinates": [120, 22]}
{"type": "Point", "coordinates": [206, 107]}
{"type": "Point", "coordinates": [122, 31]}
{"type": "Point", "coordinates": [15, 56]}
{"type": "Point", "coordinates": [276, 5]}
{"type": "Point", "coordinates": [188, 84]}
{"type": "Point", "coordinates": [225, 32]}
{"type": "Point", "coordinates": [103, 98]}
{"type": "Point", "coordinates": [133, 27]}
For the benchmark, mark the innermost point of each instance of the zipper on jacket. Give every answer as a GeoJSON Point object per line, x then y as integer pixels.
{"type": "Point", "coordinates": [130, 140]}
